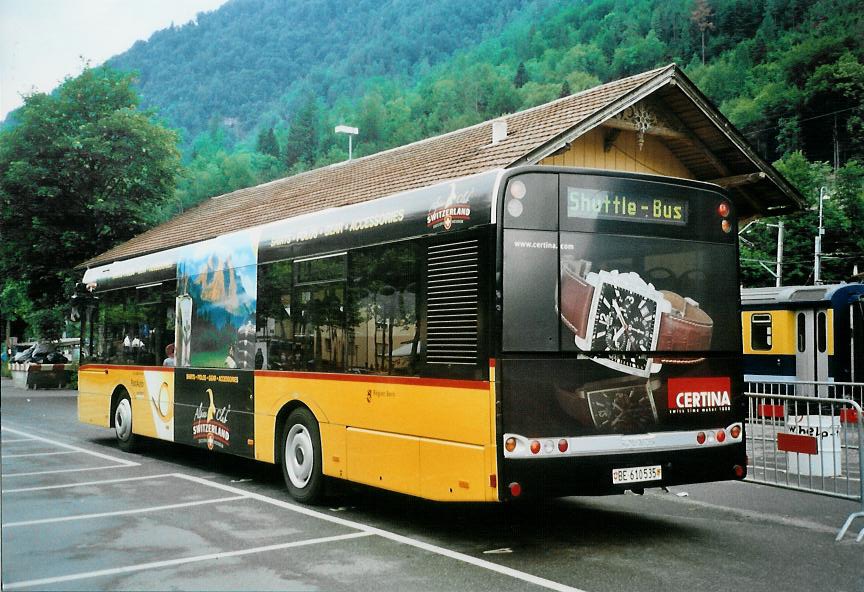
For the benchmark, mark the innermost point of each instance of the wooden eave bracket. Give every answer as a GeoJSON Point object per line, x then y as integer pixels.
{"type": "Point", "coordinates": [738, 180]}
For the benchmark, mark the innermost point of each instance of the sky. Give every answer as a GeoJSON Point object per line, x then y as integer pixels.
{"type": "Point", "coordinates": [44, 41]}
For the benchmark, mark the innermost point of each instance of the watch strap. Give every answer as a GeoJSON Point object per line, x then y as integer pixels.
{"type": "Point", "coordinates": [686, 328]}
{"type": "Point", "coordinates": [576, 296]}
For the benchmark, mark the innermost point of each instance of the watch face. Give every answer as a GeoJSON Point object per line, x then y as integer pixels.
{"type": "Point", "coordinates": [624, 321]}
{"type": "Point", "coordinates": [624, 411]}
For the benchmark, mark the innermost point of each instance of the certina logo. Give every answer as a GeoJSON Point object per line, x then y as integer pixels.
{"type": "Point", "coordinates": [697, 395]}
{"type": "Point", "coordinates": [448, 215]}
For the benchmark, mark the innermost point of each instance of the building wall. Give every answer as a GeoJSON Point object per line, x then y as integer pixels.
{"type": "Point", "coordinates": [654, 158]}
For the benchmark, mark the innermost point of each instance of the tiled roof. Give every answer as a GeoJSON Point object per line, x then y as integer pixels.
{"type": "Point", "coordinates": [456, 154]}
{"type": "Point", "coordinates": [531, 134]}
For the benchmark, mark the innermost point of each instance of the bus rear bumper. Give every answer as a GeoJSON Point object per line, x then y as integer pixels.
{"type": "Point", "coordinates": [559, 477]}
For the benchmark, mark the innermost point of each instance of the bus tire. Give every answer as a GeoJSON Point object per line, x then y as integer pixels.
{"type": "Point", "coordinates": [300, 456]}
{"type": "Point", "coordinates": [126, 439]}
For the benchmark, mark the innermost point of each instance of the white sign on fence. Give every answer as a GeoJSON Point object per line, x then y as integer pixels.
{"type": "Point", "coordinates": [827, 460]}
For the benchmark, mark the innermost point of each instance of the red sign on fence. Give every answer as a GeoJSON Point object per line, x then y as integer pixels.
{"type": "Point", "coordinates": [797, 443]}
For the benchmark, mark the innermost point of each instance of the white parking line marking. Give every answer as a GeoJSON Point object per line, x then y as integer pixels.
{"type": "Point", "coordinates": [122, 461]}
{"type": "Point", "coordinates": [40, 454]}
{"type": "Point", "coordinates": [180, 561]}
{"type": "Point", "coordinates": [513, 573]}
{"type": "Point", "coordinates": [104, 481]}
{"type": "Point", "coordinates": [124, 512]}
{"type": "Point", "coordinates": [8, 475]}
{"type": "Point", "coordinates": [12, 440]}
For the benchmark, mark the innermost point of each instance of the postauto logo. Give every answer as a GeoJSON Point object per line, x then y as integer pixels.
{"type": "Point", "coordinates": [697, 395]}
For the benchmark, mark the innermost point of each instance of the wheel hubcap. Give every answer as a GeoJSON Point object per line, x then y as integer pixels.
{"type": "Point", "coordinates": [299, 456]}
{"type": "Point", "coordinates": [123, 420]}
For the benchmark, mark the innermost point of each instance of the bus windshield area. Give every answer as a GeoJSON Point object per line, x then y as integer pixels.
{"type": "Point", "coordinates": [628, 269]}
{"type": "Point", "coordinates": [600, 292]}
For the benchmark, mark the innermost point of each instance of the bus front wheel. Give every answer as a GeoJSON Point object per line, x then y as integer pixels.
{"type": "Point", "coordinates": [123, 424]}
{"type": "Point", "coordinates": [301, 456]}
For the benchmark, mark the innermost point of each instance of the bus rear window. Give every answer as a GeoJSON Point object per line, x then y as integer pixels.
{"type": "Point", "coordinates": [592, 292]}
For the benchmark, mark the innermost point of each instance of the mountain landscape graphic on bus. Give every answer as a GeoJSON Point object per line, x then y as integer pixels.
{"type": "Point", "coordinates": [221, 282]}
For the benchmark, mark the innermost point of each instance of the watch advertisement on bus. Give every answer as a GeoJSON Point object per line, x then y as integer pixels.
{"type": "Point", "coordinates": [639, 315]}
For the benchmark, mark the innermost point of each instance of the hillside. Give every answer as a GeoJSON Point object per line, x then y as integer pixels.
{"type": "Point", "coordinates": [251, 59]}
{"type": "Point", "coordinates": [787, 72]}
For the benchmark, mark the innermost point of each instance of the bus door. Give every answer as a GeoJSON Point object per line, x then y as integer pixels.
{"type": "Point", "coordinates": [811, 352]}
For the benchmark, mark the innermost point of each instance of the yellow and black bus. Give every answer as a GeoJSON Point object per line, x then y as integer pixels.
{"type": "Point", "coordinates": [804, 333]}
{"type": "Point", "coordinates": [535, 331]}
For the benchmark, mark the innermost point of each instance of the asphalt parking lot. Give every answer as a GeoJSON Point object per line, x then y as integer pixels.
{"type": "Point", "coordinates": [78, 514]}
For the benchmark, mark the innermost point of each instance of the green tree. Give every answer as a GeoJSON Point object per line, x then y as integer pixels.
{"type": "Point", "coordinates": [842, 243]}
{"type": "Point", "coordinates": [301, 146]}
{"type": "Point", "coordinates": [267, 143]}
{"type": "Point", "coordinates": [82, 170]}
{"type": "Point", "coordinates": [521, 76]}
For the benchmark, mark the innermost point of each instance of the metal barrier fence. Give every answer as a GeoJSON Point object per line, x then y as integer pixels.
{"type": "Point", "coordinates": [808, 388]}
{"type": "Point", "coordinates": [808, 442]}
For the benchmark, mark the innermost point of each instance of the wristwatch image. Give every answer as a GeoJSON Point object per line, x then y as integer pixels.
{"type": "Point", "coordinates": [620, 312]}
{"type": "Point", "coordinates": [619, 405]}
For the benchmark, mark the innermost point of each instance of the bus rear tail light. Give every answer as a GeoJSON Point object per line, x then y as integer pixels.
{"type": "Point", "coordinates": [726, 226]}
{"type": "Point", "coordinates": [723, 209]}
{"type": "Point", "coordinates": [721, 436]}
{"type": "Point", "coordinates": [739, 471]}
{"type": "Point", "coordinates": [515, 489]}
{"type": "Point", "coordinates": [735, 432]}
{"type": "Point", "coordinates": [535, 447]}
{"type": "Point", "coordinates": [563, 445]}
{"type": "Point", "coordinates": [510, 444]}
{"type": "Point", "coordinates": [700, 438]}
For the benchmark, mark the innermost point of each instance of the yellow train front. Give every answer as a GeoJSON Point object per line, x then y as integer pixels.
{"type": "Point", "coordinates": [803, 333]}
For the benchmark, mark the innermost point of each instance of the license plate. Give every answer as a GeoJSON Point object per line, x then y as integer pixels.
{"type": "Point", "coordinates": [636, 474]}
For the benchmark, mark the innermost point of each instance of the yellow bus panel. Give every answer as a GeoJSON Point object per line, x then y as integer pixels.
{"type": "Point", "coordinates": [453, 472]}
{"type": "Point", "coordinates": [390, 461]}
{"type": "Point", "coordinates": [151, 392]}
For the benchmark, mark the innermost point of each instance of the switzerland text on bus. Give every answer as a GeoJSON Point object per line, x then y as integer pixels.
{"type": "Point", "coordinates": [534, 331]}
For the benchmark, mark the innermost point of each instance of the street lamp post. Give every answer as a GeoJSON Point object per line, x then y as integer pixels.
{"type": "Point", "coordinates": [817, 247]}
{"type": "Point", "coordinates": [350, 131]}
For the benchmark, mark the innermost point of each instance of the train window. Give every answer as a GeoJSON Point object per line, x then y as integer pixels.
{"type": "Point", "coordinates": [760, 332]}
{"type": "Point", "coordinates": [802, 332]}
{"type": "Point", "coordinates": [821, 332]}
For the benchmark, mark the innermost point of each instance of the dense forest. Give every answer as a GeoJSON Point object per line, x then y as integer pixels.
{"type": "Point", "coordinates": [254, 89]}
{"type": "Point", "coordinates": [257, 87]}
{"type": "Point", "coordinates": [252, 61]}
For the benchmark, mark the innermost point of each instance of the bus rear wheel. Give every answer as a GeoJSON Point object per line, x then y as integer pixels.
{"type": "Point", "coordinates": [300, 456]}
{"type": "Point", "coordinates": [126, 440]}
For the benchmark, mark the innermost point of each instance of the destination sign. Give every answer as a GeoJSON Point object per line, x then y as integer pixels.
{"type": "Point", "coordinates": [601, 204]}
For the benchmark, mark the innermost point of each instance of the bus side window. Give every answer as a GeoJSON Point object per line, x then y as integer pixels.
{"type": "Point", "coordinates": [274, 329]}
{"type": "Point", "coordinates": [318, 313]}
{"type": "Point", "coordinates": [382, 310]}
{"type": "Point", "coordinates": [760, 332]}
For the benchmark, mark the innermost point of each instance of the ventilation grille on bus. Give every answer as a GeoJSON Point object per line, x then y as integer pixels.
{"type": "Point", "coordinates": [452, 293]}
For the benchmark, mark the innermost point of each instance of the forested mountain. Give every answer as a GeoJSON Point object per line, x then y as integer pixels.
{"type": "Point", "coordinates": [787, 72]}
{"type": "Point", "coordinates": [257, 86]}
{"type": "Point", "coordinates": [251, 59]}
